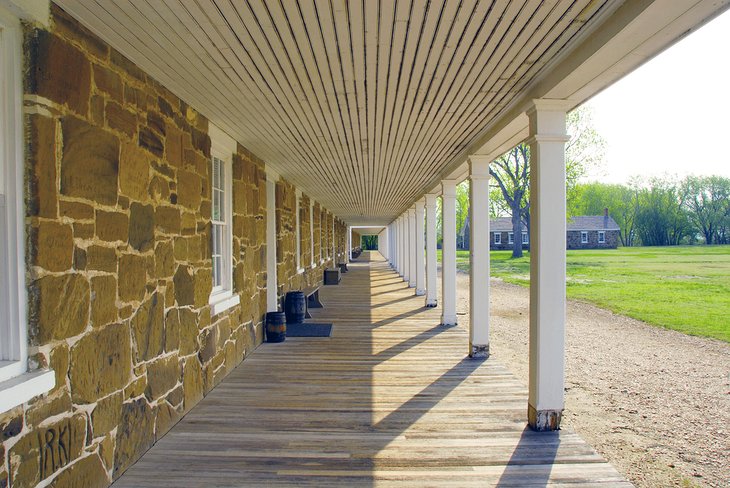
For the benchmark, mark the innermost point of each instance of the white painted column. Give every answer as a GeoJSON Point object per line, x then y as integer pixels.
{"type": "Point", "coordinates": [406, 250]}
{"type": "Point", "coordinates": [420, 248]}
{"type": "Point", "coordinates": [298, 233]}
{"type": "Point", "coordinates": [413, 271]}
{"type": "Point", "coordinates": [448, 264]}
{"type": "Point", "coordinates": [399, 225]}
{"type": "Point", "coordinates": [272, 302]}
{"type": "Point", "coordinates": [334, 245]}
{"type": "Point", "coordinates": [311, 231]}
{"type": "Point", "coordinates": [349, 243]}
{"type": "Point", "coordinates": [479, 257]}
{"type": "Point", "coordinates": [547, 264]}
{"type": "Point", "coordinates": [391, 237]}
{"type": "Point", "coordinates": [431, 261]}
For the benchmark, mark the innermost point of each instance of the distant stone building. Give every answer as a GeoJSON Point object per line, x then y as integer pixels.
{"type": "Point", "coordinates": [584, 232]}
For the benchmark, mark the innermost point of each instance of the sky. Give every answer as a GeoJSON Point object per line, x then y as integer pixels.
{"type": "Point", "coordinates": [672, 115]}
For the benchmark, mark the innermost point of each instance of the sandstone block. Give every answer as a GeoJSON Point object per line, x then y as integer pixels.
{"type": "Point", "coordinates": [151, 141]}
{"type": "Point", "coordinates": [52, 246]}
{"type": "Point", "coordinates": [134, 167]}
{"type": "Point", "coordinates": [193, 382]}
{"type": "Point", "coordinates": [208, 342]}
{"type": "Point", "coordinates": [38, 455]}
{"type": "Point", "coordinates": [141, 226]}
{"type": "Point", "coordinates": [121, 62]}
{"type": "Point", "coordinates": [100, 258]}
{"type": "Point", "coordinates": [59, 71]}
{"type": "Point", "coordinates": [162, 376]}
{"type": "Point", "coordinates": [88, 472]}
{"type": "Point", "coordinates": [59, 307]}
{"type": "Point", "coordinates": [174, 145]}
{"type": "Point", "coordinates": [188, 331]}
{"type": "Point", "coordinates": [184, 286]}
{"type": "Point", "coordinates": [107, 81]}
{"type": "Point", "coordinates": [42, 197]}
{"type": "Point", "coordinates": [203, 286]}
{"type": "Point", "coordinates": [167, 220]}
{"type": "Point", "coordinates": [132, 277]}
{"type": "Point", "coordinates": [121, 119]}
{"type": "Point", "coordinates": [106, 414]}
{"type": "Point", "coordinates": [148, 328]}
{"type": "Point", "coordinates": [189, 189]}
{"type": "Point", "coordinates": [135, 434]}
{"type": "Point", "coordinates": [102, 363]}
{"type": "Point", "coordinates": [103, 300]}
{"type": "Point", "coordinates": [76, 210]}
{"type": "Point", "coordinates": [167, 417]}
{"type": "Point", "coordinates": [90, 164]}
{"type": "Point", "coordinates": [112, 226]}
{"type": "Point", "coordinates": [164, 259]}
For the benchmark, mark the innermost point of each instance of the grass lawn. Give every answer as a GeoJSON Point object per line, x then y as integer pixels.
{"type": "Point", "coordinates": [682, 288]}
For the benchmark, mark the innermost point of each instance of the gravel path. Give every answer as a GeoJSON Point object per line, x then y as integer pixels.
{"type": "Point", "coordinates": [653, 402]}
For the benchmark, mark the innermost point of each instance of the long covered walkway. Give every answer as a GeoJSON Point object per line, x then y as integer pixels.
{"type": "Point", "coordinates": [389, 399]}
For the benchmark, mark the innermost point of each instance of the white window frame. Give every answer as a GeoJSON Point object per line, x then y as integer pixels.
{"type": "Point", "coordinates": [510, 237]}
{"type": "Point", "coordinates": [222, 149]}
{"type": "Point", "coordinates": [583, 237]}
{"type": "Point", "coordinates": [17, 384]}
{"type": "Point", "coordinates": [498, 238]}
{"type": "Point", "coordinates": [601, 237]}
{"type": "Point", "coordinates": [525, 238]}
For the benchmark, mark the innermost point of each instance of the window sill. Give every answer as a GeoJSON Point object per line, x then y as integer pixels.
{"type": "Point", "coordinates": [20, 389]}
{"type": "Point", "coordinates": [220, 302]}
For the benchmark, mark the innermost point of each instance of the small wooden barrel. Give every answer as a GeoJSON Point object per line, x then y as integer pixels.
{"type": "Point", "coordinates": [295, 307]}
{"type": "Point", "coordinates": [275, 327]}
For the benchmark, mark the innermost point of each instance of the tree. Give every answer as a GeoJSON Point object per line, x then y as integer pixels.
{"type": "Point", "coordinates": [511, 171]}
{"type": "Point", "coordinates": [706, 200]}
{"type": "Point", "coordinates": [621, 201]}
{"type": "Point", "coordinates": [661, 219]}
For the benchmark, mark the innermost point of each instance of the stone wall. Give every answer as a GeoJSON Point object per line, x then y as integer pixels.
{"type": "Point", "coordinates": [574, 240]}
{"type": "Point", "coordinates": [118, 262]}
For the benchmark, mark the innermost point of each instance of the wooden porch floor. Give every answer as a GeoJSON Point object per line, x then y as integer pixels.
{"type": "Point", "coordinates": [389, 399]}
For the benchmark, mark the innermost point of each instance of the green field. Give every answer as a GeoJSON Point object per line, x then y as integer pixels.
{"type": "Point", "coordinates": [682, 288]}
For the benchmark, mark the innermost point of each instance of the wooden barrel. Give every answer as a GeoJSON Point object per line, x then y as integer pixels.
{"type": "Point", "coordinates": [275, 327]}
{"type": "Point", "coordinates": [295, 307]}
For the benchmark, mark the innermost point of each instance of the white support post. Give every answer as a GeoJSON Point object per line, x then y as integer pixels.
{"type": "Point", "coordinates": [479, 257]}
{"type": "Point", "coordinates": [412, 271]}
{"type": "Point", "coordinates": [406, 249]}
{"type": "Point", "coordinates": [311, 231]}
{"type": "Point", "coordinates": [448, 257]}
{"type": "Point", "coordinates": [547, 264]}
{"type": "Point", "coordinates": [298, 233]}
{"type": "Point", "coordinates": [431, 261]}
{"type": "Point", "coordinates": [399, 225]}
{"type": "Point", "coordinates": [420, 249]}
{"type": "Point", "coordinates": [272, 302]}
{"type": "Point", "coordinates": [334, 245]}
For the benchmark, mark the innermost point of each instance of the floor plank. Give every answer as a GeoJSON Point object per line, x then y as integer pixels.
{"type": "Point", "coordinates": [388, 400]}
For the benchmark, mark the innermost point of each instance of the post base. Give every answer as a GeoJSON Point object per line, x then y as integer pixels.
{"type": "Point", "coordinates": [420, 292]}
{"type": "Point", "coordinates": [448, 321]}
{"type": "Point", "coordinates": [431, 304]}
{"type": "Point", "coordinates": [479, 351]}
{"type": "Point", "coordinates": [543, 420]}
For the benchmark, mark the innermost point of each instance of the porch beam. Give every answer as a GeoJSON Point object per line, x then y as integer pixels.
{"type": "Point", "coordinates": [448, 256]}
{"type": "Point", "coordinates": [547, 263]}
{"type": "Point", "coordinates": [479, 257]}
{"type": "Point", "coordinates": [431, 274]}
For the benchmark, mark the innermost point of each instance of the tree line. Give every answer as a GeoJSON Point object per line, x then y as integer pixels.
{"type": "Point", "coordinates": [661, 211]}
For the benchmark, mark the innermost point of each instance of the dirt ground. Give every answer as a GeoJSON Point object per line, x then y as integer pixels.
{"type": "Point", "coordinates": [653, 402]}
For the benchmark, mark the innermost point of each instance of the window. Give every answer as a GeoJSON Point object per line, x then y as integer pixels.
{"type": "Point", "coordinates": [17, 384]}
{"type": "Point", "coordinates": [584, 237]}
{"type": "Point", "coordinates": [601, 237]}
{"type": "Point", "coordinates": [525, 240]}
{"type": "Point", "coordinates": [510, 238]}
{"type": "Point", "coordinates": [222, 149]}
{"type": "Point", "coordinates": [498, 238]}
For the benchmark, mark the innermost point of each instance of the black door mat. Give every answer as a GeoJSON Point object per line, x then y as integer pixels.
{"type": "Point", "coordinates": [308, 330]}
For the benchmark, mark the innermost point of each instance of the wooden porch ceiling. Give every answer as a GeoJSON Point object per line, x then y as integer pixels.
{"type": "Point", "coordinates": [365, 103]}
{"type": "Point", "coordinates": [388, 400]}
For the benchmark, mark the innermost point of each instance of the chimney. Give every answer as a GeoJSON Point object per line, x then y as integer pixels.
{"type": "Point", "coordinates": [605, 217]}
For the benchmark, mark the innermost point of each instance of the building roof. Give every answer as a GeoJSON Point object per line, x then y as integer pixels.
{"type": "Point", "coordinates": [577, 223]}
